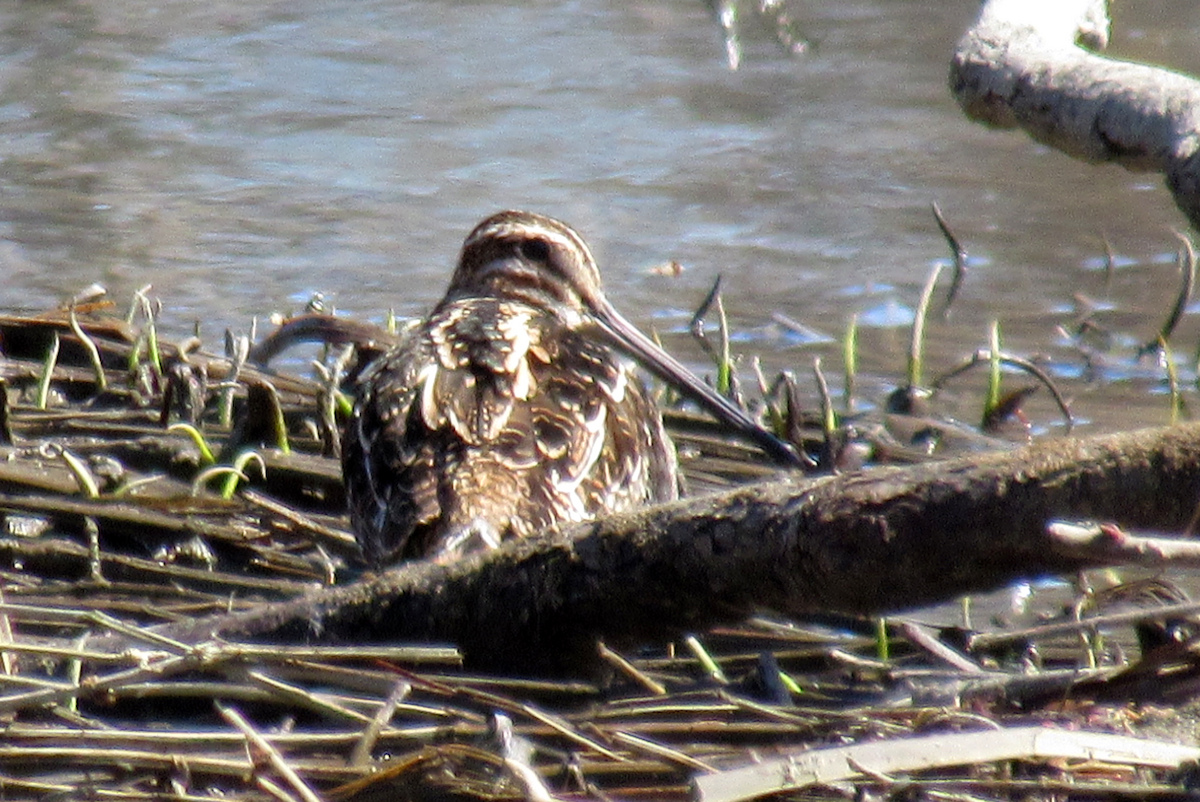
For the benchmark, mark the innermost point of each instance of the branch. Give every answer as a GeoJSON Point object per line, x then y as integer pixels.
{"type": "Point", "coordinates": [1019, 67]}
{"type": "Point", "coordinates": [865, 542]}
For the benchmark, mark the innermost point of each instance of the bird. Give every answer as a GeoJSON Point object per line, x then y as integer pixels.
{"type": "Point", "coordinates": [515, 406]}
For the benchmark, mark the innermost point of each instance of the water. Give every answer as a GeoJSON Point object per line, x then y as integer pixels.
{"type": "Point", "coordinates": [242, 156]}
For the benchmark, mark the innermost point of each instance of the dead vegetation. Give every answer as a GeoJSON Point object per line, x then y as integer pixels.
{"type": "Point", "coordinates": [126, 522]}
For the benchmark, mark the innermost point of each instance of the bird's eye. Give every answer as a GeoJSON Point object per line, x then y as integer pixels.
{"type": "Point", "coordinates": [535, 250]}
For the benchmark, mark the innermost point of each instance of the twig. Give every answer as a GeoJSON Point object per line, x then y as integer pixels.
{"type": "Point", "coordinates": [272, 754]}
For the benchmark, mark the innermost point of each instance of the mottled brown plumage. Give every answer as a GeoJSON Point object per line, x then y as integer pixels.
{"type": "Point", "coordinates": [513, 407]}
{"type": "Point", "coordinates": [504, 412]}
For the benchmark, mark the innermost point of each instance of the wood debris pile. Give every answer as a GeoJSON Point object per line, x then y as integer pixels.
{"type": "Point", "coordinates": [133, 500]}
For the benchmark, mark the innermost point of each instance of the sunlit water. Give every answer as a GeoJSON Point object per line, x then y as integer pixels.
{"type": "Point", "coordinates": [241, 157]}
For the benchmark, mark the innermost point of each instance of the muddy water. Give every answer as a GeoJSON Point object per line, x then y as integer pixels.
{"type": "Point", "coordinates": [243, 156]}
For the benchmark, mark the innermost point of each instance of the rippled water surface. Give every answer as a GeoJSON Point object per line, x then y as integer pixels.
{"type": "Point", "coordinates": [242, 156]}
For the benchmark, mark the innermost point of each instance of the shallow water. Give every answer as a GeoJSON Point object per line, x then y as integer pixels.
{"type": "Point", "coordinates": [242, 156]}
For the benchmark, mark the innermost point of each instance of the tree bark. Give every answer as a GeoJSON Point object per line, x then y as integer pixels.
{"type": "Point", "coordinates": [866, 542]}
{"type": "Point", "coordinates": [1020, 66]}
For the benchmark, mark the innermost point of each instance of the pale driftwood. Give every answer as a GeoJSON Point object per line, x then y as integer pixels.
{"type": "Point", "coordinates": [866, 542]}
{"type": "Point", "coordinates": [879, 760]}
{"type": "Point", "coordinates": [1020, 66]}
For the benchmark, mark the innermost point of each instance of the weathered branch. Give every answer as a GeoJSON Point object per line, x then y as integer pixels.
{"type": "Point", "coordinates": [865, 542]}
{"type": "Point", "coordinates": [1020, 66]}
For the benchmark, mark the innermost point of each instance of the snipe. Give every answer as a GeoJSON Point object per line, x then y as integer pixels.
{"type": "Point", "coordinates": [514, 406]}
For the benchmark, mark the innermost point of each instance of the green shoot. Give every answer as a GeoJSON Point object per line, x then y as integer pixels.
{"type": "Point", "coordinates": [93, 351]}
{"type": "Point", "coordinates": [850, 362]}
{"type": "Point", "coordinates": [206, 454]}
{"type": "Point", "coordinates": [706, 660]}
{"type": "Point", "coordinates": [917, 340]}
{"type": "Point", "coordinates": [992, 401]}
{"type": "Point", "coordinates": [87, 482]}
{"type": "Point", "coordinates": [883, 647]}
{"type": "Point", "coordinates": [43, 392]}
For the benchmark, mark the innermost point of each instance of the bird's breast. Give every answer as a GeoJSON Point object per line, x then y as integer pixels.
{"type": "Point", "coordinates": [502, 417]}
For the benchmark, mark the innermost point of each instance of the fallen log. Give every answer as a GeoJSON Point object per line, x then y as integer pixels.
{"type": "Point", "coordinates": [866, 542]}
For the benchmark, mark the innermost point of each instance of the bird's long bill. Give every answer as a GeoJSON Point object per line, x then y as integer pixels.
{"type": "Point", "coordinates": [627, 337]}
